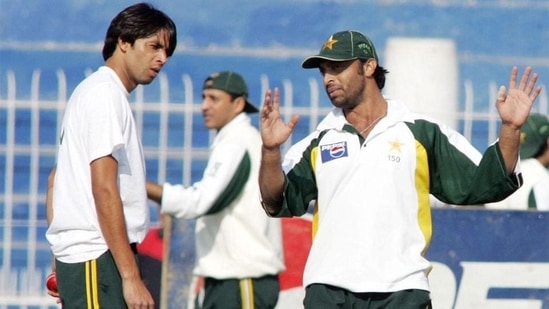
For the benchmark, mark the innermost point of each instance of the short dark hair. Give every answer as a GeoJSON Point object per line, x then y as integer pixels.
{"type": "Point", "coordinates": [379, 74]}
{"type": "Point", "coordinates": [138, 21]}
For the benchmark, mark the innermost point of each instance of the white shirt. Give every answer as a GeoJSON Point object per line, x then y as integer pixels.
{"type": "Point", "coordinates": [98, 122]}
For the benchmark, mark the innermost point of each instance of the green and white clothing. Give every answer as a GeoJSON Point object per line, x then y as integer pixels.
{"type": "Point", "coordinates": [234, 237]}
{"type": "Point", "coordinates": [372, 217]}
{"type": "Point", "coordinates": [97, 122]}
{"type": "Point", "coordinates": [533, 194]}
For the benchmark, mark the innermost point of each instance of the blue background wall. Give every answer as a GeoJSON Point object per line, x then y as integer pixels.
{"type": "Point", "coordinates": [272, 37]}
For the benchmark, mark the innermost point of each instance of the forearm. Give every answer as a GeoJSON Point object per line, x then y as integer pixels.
{"type": "Point", "coordinates": [271, 180]}
{"type": "Point", "coordinates": [49, 207]}
{"type": "Point", "coordinates": [49, 197]}
{"type": "Point", "coordinates": [509, 143]}
{"type": "Point", "coordinates": [154, 192]}
{"type": "Point", "coordinates": [111, 220]}
{"type": "Point", "coordinates": [225, 177]}
{"type": "Point", "coordinates": [110, 214]}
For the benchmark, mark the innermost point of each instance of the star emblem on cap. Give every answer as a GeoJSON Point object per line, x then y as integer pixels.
{"type": "Point", "coordinates": [329, 43]}
{"type": "Point", "coordinates": [522, 137]}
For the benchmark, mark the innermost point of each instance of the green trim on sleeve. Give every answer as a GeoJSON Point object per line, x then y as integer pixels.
{"type": "Point", "coordinates": [300, 182]}
{"type": "Point", "coordinates": [455, 178]}
{"type": "Point", "coordinates": [234, 187]}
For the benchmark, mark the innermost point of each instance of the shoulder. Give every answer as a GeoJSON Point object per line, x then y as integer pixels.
{"type": "Point", "coordinates": [99, 84]}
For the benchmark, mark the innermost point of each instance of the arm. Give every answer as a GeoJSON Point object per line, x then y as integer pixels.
{"type": "Point", "coordinates": [49, 218]}
{"type": "Point", "coordinates": [274, 132]}
{"type": "Point", "coordinates": [225, 177]}
{"type": "Point", "coordinates": [154, 192]}
{"type": "Point", "coordinates": [110, 215]}
{"type": "Point", "coordinates": [49, 198]}
{"type": "Point", "coordinates": [514, 106]}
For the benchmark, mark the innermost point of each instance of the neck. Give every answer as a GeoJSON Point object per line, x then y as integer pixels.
{"type": "Point", "coordinates": [364, 132]}
{"type": "Point", "coordinates": [364, 119]}
{"type": "Point", "coordinates": [116, 66]}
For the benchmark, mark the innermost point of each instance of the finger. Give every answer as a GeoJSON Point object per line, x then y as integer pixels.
{"type": "Point", "coordinates": [532, 84]}
{"type": "Point", "coordinates": [501, 94]}
{"type": "Point", "coordinates": [266, 108]}
{"type": "Point", "coordinates": [513, 78]}
{"type": "Point", "coordinates": [267, 99]}
{"type": "Point", "coordinates": [524, 79]}
{"type": "Point", "coordinates": [535, 93]}
{"type": "Point", "coordinates": [276, 98]}
{"type": "Point", "coordinates": [293, 122]}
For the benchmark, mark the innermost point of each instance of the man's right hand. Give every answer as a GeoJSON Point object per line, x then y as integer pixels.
{"type": "Point", "coordinates": [136, 294]}
{"type": "Point", "coordinates": [274, 132]}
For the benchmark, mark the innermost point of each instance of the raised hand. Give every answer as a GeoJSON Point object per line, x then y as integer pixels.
{"type": "Point", "coordinates": [514, 104]}
{"type": "Point", "coordinates": [274, 132]}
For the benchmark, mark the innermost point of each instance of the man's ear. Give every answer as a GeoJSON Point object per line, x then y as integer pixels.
{"type": "Point", "coordinates": [370, 66]}
{"type": "Point", "coordinates": [240, 104]}
{"type": "Point", "coordinates": [124, 46]}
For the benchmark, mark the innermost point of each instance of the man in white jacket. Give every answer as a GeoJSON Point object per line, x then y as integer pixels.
{"type": "Point", "coordinates": [370, 169]}
{"type": "Point", "coordinates": [238, 247]}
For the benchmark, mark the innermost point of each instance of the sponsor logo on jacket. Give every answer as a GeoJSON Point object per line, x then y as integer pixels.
{"type": "Point", "coordinates": [333, 151]}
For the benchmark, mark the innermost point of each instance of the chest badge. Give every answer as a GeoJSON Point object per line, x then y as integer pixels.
{"type": "Point", "coordinates": [396, 145]}
{"type": "Point", "coordinates": [333, 151]}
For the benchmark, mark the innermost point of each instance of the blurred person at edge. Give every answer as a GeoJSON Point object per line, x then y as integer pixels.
{"type": "Point", "coordinates": [98, 211]}
{"type": "Point", "coordinates": [238, 247]}
{"type": "Point", "coordinates": [534, 155]}
{"type": "Point", "coordinates": [370, 167]}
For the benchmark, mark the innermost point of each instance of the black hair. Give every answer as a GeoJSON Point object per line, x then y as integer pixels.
{"type": "Point", "coordinates": [379, 74]}
{"type": "Point", "coordinates": [138, 21]}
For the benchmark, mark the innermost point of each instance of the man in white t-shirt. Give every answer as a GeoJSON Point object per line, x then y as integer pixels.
{"type": "Point", "coordinates": [99, 209]}
{"type": "Point", "coordinates": [534, 154]}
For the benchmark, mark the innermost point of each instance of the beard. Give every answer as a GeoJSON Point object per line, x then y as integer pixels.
{"type": "Point", "coordinates": [347, 98]}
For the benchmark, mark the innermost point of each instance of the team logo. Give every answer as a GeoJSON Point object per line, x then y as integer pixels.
{"type": "Point", "coordinates": [333, 151]}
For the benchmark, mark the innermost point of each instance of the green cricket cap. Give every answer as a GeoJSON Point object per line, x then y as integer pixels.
{"type": "Point", "coordinates": [343, 46]}
{"type": "Point", "coordinates": [232, 83]}
{"type": "Point", "coordinates": [534, 133]}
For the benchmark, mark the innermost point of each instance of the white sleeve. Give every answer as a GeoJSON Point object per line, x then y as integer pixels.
{"type": "Point", "coordinates": [197, 199]}
{"type": "Point", "coordinates": [102, 130]}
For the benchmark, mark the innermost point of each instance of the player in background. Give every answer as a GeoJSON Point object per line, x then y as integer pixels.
{"type": "Point", "coordinates": [534, 155]}
{"type": "Point", "coordinates": [370, 167]}
{"type": "Point", "coordinates": [238, 248]}
{"type": "Point", "coordinates": [99, 210]}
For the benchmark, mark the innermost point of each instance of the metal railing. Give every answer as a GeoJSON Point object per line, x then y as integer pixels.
{"type": "Point", "coordinates": [178, 151]}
